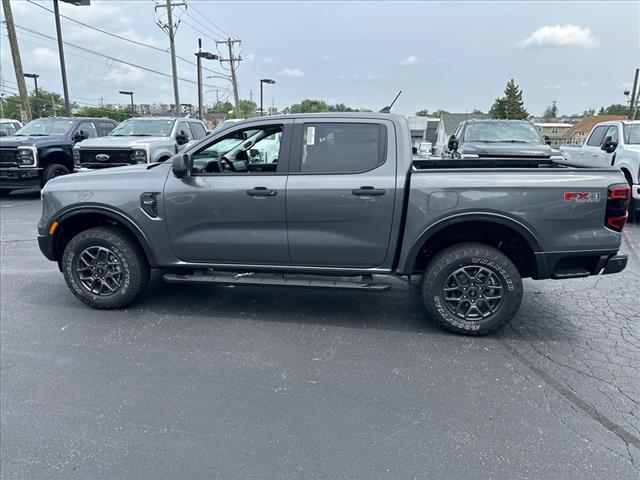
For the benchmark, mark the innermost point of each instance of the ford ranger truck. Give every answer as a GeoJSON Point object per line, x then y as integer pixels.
{"type": "Point", "coordinates": [615, 144]}
{"type": "Point", "coordinates": [138, 140]}
{"type": "Point", "coordinates": [41, 150]}
{"type": "Point", "coordinates": [342, 206]}
{"type": "Point", "coordinates": [498, 138]}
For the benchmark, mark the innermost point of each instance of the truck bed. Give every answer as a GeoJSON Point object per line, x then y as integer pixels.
{"type": "Point", "coordinates": [493, 162]}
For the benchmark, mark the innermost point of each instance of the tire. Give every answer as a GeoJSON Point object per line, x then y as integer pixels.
{"type": "Point", "coordinates": [455, 268]}
{"type": "Point", "coordinates": [52, 171]}
{"type": "Point", "coordinates": [4, 192]}
{"type": "Point", "coordinates": [113, 259]}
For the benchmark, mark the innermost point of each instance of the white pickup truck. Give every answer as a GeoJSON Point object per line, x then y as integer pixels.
{"type": "Point", "coordinates": [613, 143]}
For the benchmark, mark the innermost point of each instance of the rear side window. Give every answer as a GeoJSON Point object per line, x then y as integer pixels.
{"type": "Point", "coordinates": [104, 128]}
{"type": "Point", "coordinates": [596, 136]}
{"type": "Point", "coordinates": [198, 130]}
{"type": "Point", "coordinates": [342, 147]}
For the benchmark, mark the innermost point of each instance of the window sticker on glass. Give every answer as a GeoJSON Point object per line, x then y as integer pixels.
{"type": "Point", "coordinates": [311, 135]}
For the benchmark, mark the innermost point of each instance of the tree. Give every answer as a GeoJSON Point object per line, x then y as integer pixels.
{"type": "Point", "coordinates": [222, 107]}
{"type": "Point", "coordinates": [47, 104]}
{"type": "Point", "coordinates": [310, 106]}
{"type": "Point", "coordinates": [617, 109]}
{"type": "Point", "coordinates": [117, 114]}
{"type": "Point", "coordinates": [247, 109]}
{"type": "Point", "coordinates": [422, 113]}
{"type": "Point", "coordinates": [511, 106]}
{"type": "Point", "coordinates": [551, 111]}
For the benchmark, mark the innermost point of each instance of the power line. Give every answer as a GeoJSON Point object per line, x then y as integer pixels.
{"type": "Point", "coordinates": [193, 7]}
{"type": "Point", "coordinates": [115, 35]}
{"type": "Point", "coordinates": [151, 70]}
{"type": "Point", "coordinates": [186, 12]}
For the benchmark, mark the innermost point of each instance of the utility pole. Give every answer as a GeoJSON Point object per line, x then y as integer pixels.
{"type": "Point", "coordinates": [232, 66]}
{"type": "Point", "coordinates": [25, 108]}
{"type": "Point", "coordinates": [199, 56]}
{"type": "Point", "coordinates": [63, 68]}
{"type": "Point", "coordinates": [35, 77]}
{"type": "Point", "coordinates": [170, 29]}
{"type": "Point", "coordinates": [635, 94]}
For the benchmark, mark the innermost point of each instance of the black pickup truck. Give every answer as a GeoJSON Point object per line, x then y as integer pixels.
{"type": "Point", "coordinates": [42, 149]}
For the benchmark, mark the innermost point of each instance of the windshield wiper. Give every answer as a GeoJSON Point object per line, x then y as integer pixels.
{"type": "Point", "coordinates": [141, 135]}
{"type": "Point", "coordinates": [34, 135]}
{"type": "Point", "coordinates": [515, 141]}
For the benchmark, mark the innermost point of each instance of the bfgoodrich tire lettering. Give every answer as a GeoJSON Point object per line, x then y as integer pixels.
{"type": "Point", "coordinates": [91, 253]}
{"type": "Point", "coordinates": [472, 288]}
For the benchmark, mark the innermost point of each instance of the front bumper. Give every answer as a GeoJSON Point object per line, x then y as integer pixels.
{"type": "Point", "coordinates": [45, 242]}
{"type": "Point", "coordinates": [15, 178]}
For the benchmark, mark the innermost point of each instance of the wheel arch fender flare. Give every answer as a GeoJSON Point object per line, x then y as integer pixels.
{"type": "Point", "coordinates": [460, 218]}
{"type": "Point", "coordinates": [113, 214]}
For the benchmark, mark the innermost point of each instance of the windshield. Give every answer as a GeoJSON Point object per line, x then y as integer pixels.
{"type": "Point", "coordinates": [632, 134]}
{"type": "Point", "coordinates": [46, 126]}
{"type": "Point", "coordinates": [495, 132]}
{"type": "Point", "coordinates": [143, 128]}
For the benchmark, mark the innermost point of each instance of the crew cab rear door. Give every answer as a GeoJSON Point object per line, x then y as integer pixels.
{"type": "Point", "coordinates": [340, 192]}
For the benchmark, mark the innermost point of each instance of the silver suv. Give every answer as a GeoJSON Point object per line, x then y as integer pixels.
{"type": "Point", "coordinates": [138, 140]}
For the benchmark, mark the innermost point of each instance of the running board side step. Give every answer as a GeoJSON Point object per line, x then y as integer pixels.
{"type": "Point", "coordinates": [243, 279]}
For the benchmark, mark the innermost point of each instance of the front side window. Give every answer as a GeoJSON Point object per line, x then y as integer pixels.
{"type": "Point", "coordinates": [342, 147]}
{"type": "Point", "coordinates": [43, 127]}
{"type": "Point", "coordinates": [613, 133]}
{"type": "Point", "coordinates": [88, 129]}
{"type": "Point", "coordinates": [7, 129]}
{"type": "Point", "coordinates": [137, 127]}
{"type": "Point", "coordinates": [254, 150]}
{"type": "Point", "coordinates": [596, 137]}
{"type": "Point", "coordinates": [501, 132]}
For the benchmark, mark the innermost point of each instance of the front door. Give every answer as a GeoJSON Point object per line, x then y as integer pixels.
{"type": "Point", "coordinates": [340, 193]}
{"type": "Point", "coordinates": [230, 209]}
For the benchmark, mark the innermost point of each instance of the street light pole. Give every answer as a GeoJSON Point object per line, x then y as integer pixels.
{"type": "Point", "coordinates": [263, 81]}
{"type": "Point", "coordinates": [35, 81]}
{"type": "Point", "coordinates": [126, 92]}
{"type": "Point", "coordinates": [199, 56]}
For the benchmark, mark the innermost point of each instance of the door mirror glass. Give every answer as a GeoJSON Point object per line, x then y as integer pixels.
{"type": "Point", "coordinates": [547, 140]}
{"type": "Point", "coordinates": [181, 138]}
{"type": "Point", "coordinates": [453, 143]}
{"type": "Point", "coordinates": [79, 136]}
{"type": "Point", "coordinates": [609, 145]}
{"type": "Point", "coordinates": [180, 165]}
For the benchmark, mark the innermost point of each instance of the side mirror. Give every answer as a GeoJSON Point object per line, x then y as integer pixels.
{"type": "Point", "coordinates": [181, 138]}
{"type": "Point", "coordinates": [609, 145]}
{"type": "Point", "coordinates": [3, 133]}
{"type": "Point", "coordinates": [79, 136]}
{"type": "Point", "coordinates": [453, 143]}
{"type": "Point", "coordinates": [180, 165]}
{"type": "Point", "coordinates": [414, 150]}
{"type": "Point", "coordinates": [547, 140]}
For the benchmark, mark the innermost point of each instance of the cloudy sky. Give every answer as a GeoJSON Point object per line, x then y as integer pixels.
{"type": "Point", "coordinates": [456, 56]}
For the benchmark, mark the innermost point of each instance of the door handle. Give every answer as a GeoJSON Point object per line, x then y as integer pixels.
{"type": "Point", "coordinates": [367, 190]}
{"type": "Point", "coordinates": [261, 192]}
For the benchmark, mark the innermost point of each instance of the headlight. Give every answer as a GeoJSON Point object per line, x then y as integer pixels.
{"type": "Point", "coordinates": [469, 155]}
{"type": "Point", "coordinates": [27, 156]}
{"type": "Point", "coordinates": [76, 157]}
{"type": "Point", "coordinates": [139, 155]}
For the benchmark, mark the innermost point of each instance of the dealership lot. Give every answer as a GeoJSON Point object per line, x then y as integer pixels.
{"type": "Point", "coordinates": [220, 382]}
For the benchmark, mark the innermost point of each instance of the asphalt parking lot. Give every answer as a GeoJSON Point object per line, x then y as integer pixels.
{"type": "Point", "coordinates": [219, 382]}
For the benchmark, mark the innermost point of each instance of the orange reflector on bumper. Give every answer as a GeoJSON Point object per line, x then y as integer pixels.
{"type": "Point", "coordinates": [53, 227]}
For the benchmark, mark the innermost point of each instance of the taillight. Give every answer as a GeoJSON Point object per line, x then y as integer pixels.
{"type": "Point", "coordinates": [617, 198]}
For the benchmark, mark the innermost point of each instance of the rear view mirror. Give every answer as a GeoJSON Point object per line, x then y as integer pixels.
{"type": "Point", "coordinates": [453, 143]}
{"type": "Point", "coordinates": [180, 165]}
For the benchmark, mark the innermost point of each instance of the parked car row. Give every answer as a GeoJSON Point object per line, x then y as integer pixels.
{"type": "Point", "coordinates": [45, 148]}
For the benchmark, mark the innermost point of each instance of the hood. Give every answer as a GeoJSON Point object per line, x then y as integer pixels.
{"type": "Point", "coordinates": [14, 142]}
{"type": "Point", "coordinates": [123, 142]}
{"type": "Point", "coordinates": [105, 178]}
{"type": "Point", "coordinates": [506, 149]}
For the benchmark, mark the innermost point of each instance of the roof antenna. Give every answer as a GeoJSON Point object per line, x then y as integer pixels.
{"type": "Point", "coordinates": [388, 109]}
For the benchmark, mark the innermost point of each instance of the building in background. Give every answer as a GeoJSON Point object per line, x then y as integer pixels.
{"type": "Point", "coordinates": [577, 134]}
{"type": "Point", "coordinates": [556, 131]}
{"type": "Point", "coordinates": [423, 130]}
{"type": "Point", "coordinates": [448, 124]}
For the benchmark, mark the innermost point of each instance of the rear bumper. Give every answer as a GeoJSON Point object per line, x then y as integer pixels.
{"type": "Point", "coordinates": [16, 178]}
{"type": "Point", "coordinates": [565, 265]}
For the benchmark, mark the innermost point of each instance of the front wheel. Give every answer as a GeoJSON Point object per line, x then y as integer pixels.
{"type": "Point", "coordinates": [52, 171]}
{"type": "Point", "coordinates": [105, 268]}
{"type": "Point", "coordinates": [472, 289]}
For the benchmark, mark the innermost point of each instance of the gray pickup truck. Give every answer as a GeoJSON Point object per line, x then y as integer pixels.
{"type": "Point", "coordinates": [342, 202]}
{"type": "Point", "coordinates": [138, 140]}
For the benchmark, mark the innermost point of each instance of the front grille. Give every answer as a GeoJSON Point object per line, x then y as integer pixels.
{"type": "Point", "coordinates": [92, 158]}
{"type": "Point", "coordinates": [8, 155]}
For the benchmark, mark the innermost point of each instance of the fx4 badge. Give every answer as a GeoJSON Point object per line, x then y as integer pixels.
{"type": "Point", "coordinates": [582, 197]}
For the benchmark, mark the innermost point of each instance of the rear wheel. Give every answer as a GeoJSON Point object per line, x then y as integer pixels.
{"type": "Point", "coordinates": [105, 268]}
{"type": "Point", "coordinates": [472, 289]}
{"type": "Point", "coordinates": [52, 171]}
